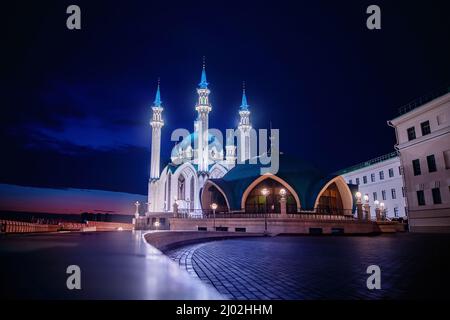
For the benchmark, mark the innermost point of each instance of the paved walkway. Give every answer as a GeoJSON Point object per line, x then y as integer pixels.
{"type": "Point", "coordinates": [412, 266]}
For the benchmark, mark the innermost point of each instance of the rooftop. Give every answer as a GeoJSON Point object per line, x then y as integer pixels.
{"type": "Point", "coordinates": [368, 163]}
{"type": "Point", "coordinates": [424, 99]}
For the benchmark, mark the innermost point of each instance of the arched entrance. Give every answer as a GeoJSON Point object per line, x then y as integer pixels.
{"type": "Point", "coordinates": [211, 194]}
{"type": "Point", "coordinates": [256, 202]}
{"type": "Point", "coordinates": [335, 198]}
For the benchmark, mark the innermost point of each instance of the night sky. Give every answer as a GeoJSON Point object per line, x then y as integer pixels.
{"type": "Point", "coordinates": [76, 104]}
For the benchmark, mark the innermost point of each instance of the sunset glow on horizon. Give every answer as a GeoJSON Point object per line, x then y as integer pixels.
{"type": "Point", "coordinates": [69, 200]}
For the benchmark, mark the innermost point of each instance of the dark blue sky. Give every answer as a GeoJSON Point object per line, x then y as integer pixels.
{"type": "Point", "coordinates": [76, 104]}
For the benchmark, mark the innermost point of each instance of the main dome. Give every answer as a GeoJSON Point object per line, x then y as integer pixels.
{"type": "Point", "coordinates": [187, 148]}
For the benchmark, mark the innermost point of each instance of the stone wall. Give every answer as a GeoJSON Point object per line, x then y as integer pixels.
{"type": "Point", "coordinates": [277, 226]}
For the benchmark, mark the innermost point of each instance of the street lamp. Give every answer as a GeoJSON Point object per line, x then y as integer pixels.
{"type": "Point", "coordinates": [358, 196]}
{"type": "Point", "coordinates": [214, 207]}
{"type": "Point", "coordinates": [366, 206]}
{"type": "Point", "coordinates": [265, 193]}
{"type": "Point", "coordinates": [383, 212]}
{"type": "Point", "coordinates": [283, 193]}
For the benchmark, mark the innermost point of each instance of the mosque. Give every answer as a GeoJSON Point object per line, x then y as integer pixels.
{"type": "Point", "coordinates": [202, 172]}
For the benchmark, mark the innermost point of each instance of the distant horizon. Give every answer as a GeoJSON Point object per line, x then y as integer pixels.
{"type": "Point", "coordinates": [17, 198]}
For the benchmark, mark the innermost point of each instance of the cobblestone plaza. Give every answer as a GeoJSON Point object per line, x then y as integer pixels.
{"type": "Point", "coordinates": [412, 266]}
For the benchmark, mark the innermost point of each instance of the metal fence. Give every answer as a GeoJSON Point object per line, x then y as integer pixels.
{"type": "Point", "coordinates": [341, 214]}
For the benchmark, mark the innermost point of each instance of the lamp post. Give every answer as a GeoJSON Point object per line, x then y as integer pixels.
{"type": "Point", "coordinates": [283, 193]}
{"type": "Point", "coordinates": [367, 206]}
{"type": "Point", "coordinates": [377, 210]}
{"type": "Point", "coordinates": [265, 193]}
{"type": "Point", "coordinates": [136, 213]}
{"type": "Point", "coordinates": [383, 210]}
{"type": "Point", "coordinates": [214, 207]}
{"type": "Point", "coordinates": [359, 210]}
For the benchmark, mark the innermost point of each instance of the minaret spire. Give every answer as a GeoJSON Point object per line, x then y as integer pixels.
{"type": "Point", "coordinates": [244, 104]}
{"type": "Point", "coordinates": [203, 82]}
{"type": "Point", "coordinates": [203, 108]}
{"type": "Point", "coordinates": [244, 129]}
{"type": "Point", "coordinates": [157, 101]}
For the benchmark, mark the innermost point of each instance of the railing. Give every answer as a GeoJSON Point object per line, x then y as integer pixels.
{"type": "Point", "coordinates": [424, 99]}
{"type": "Point", "coordinates": [11, 226]}
{"type": "Point", "coordinates": [341, 214]}
{"type": "Point", "coordinates": [368, 163]}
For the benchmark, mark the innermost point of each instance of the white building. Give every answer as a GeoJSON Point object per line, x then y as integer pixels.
{"type": "Point", "coordinates": [423, 141]}
{"type": "Point", "coordinates": [380, 179]}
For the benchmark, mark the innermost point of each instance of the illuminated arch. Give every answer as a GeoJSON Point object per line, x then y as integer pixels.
{"type": "Point", "coordinates": [344, 191]}
{"type": "Point", "coordinates": [207, 185]}
{"type": "Point", "coordinates": [273, 177]}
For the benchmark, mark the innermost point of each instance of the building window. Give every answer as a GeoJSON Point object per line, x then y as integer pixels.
{"type": "Point", "coordinates": [431, 161]}
{"type": "Point", "coordinates": [393, 194]}
{"type": "Point", "coordinates": [447, 159]}
{"type": "Point", "coordinates": [375, 196]}
{"type": "Point", "coordinates": [416, 167]}
{"type": "Point", "coordinates": [391, 173]}
{"type": "Point", "coordinates": [411, 133]}
{"type": "Point", "coordinates": [381, 175]}
{"type": "Point", "coordinates": [396, 212]}
{"type": "Point", "coordinates": [357, 181]}
{"type": "Point", "coordinates": [350, 181]}
{"type": "Point", "coordinates": [400, 171]}
{"type": "Point", "coordinates": [403, 192]}
{"type": "Point", "coordinates": [365, 179]}
{"type": "Point", "coordinates": [372, 177]}
{"type": "Point", "coordinates": [436, 192]}
{"type": "Point", "coordinates": [420, 198]}
{"type": "Point", "coordinates": [425, 127]}
{"type": "Point", "coordinates": [383, 194]}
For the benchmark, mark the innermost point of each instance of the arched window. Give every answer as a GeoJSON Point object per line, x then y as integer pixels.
{"type": "Point", "coordinates": [191, 194]}
{"type": "Point", "coordinates": [258, 203]}
{"type": "Point", "coordinates": [169, 179]}
{"type": "Point", "coordinates": [181, 187]}
{"type": "Point", "coordinates": [330, 201]}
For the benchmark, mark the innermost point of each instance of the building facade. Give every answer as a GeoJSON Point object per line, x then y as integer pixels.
{"type": "Point", "coordinates": [380, 179]}
{"type": "Point", "coordinates": [423, 142]}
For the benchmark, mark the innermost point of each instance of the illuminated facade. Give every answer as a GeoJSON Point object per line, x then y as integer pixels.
{"type": "Point", "coordinates": [200, 173]}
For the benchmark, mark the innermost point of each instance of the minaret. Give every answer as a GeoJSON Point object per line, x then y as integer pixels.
{"type": "Point", "coordinates": [156, 123]}
{"type": "Point", "coordinates": [244, 129]}
{"type": "Point", "coordinates": [203, 108]}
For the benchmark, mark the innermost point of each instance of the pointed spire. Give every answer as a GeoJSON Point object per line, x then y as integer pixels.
{"type": "Point", "coordinates": [244, 104]}
{"type": "Point", "coordinates": [203, 83]}
{"type": "Point", "coordinates": [157, 101]}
